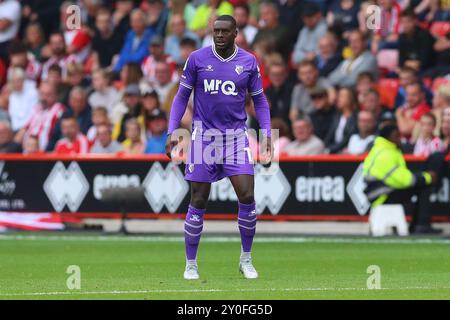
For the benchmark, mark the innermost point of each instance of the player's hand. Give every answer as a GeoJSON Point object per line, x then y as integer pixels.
{"type": "Point", "coordinates": [267, 151]}
{"type": "Point", "coordinates": [170, 144]}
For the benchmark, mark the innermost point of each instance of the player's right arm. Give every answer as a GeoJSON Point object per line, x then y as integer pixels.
{"type": "Point", "coordinates": [180, 102]}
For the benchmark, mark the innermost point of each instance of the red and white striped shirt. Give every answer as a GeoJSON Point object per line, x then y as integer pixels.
{"type": "Point", "coordinates": [80, 41]}
{"type": "Point", "coordinates": [62, 62]}
{"type": "Point", "coordinates": [390, 21]}
{"type": "Point", "coordinates": [79, 145]}
{"type": "Point", "coordinates": [33, 69]}
{"type": "Point", "coordinates": [425, 147]}
{"type": "Point", "coordinates": [42, 122]}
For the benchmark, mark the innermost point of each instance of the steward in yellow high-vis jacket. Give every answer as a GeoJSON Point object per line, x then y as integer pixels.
{"type": "Point", "coordinates": [388, 179]}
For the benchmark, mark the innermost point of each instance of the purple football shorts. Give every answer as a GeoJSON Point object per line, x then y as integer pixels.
{"type": "Point", "coordinates": [212, 158]}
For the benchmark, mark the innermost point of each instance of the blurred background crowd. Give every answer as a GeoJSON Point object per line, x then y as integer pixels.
{"type": "Point", "coordinates": [332, 76]}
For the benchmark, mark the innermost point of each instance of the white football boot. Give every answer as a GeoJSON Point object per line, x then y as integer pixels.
{"type": "Point", "coordinates": [191, 271]}
{"type": "Point", "coordinates": [246, 267]}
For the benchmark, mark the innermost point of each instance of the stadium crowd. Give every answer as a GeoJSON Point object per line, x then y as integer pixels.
{"type": "Point", "coordinates": [331, 76]}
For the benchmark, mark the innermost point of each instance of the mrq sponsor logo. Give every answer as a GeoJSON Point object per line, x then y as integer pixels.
{"type": "Point", "coordinates": [227, 87]}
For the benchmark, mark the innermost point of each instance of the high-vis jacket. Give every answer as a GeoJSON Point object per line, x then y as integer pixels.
{"type": "Point", "coordinates": [385, 170]}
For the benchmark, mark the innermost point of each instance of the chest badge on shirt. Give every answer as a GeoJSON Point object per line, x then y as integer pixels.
{"type": "Point", "coordinates": [239, 69]}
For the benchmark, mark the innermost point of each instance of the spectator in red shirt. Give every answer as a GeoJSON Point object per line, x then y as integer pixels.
{"type": "Point", "coordinates": [427, 143]}
{"type": "Point", "coordinates": [58, 55]}
{"type": "Point", "coordinates": [73, 141]}
{"type": "Point", "coordinates": [45, 116]}
{"type": "Point", "coordinates": [411, 112]}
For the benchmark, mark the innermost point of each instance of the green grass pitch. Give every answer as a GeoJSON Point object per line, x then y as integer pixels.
{"type": "Point", "coordinates": [33, 266]}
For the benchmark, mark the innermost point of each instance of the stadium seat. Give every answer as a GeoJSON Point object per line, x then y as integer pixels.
{"type": "Point", "coordinates": [387, 89]}
{"type": "Point", "coordinates": [440, 28]}
{"type": "Point", "coordinates": [384, 217]}
{"type": "Point", "coordinates": [423, 24]}
{"type": "Point", "coordinates": [388, 59]}
{"type": "Point", "coordinates": [89, 64]}
{"type": "Point", "coordinates": [440, 82]}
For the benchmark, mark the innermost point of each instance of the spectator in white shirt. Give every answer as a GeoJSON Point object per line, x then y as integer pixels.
{"type": "Point", "coordinates": [103, 95]}
{"type": "Point", "coordinates": [104, 142]}
{"type": "Point", "coordinates": [24, 96]}
{"type": "Point", "coordinates": [305, 143]}
{"type": "Point", "coordinates": [242, 16]}
{"type": "Point", "coordinates": [163, 81]}
{"type": "Point", "coordinates": [359, 142]}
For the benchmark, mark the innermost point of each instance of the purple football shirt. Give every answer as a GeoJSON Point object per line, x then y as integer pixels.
{"type": "Point", "coordinates": [220, 87]}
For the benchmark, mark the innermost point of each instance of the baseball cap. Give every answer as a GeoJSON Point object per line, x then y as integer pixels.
{"type": "Point", "coordinates": [157, 40]}
{"type": "Point", "coordinates": [157, 114]}
{"type": "Point", "coordinates": [318, 91]}
{"type": "Point", "coordinates": [132, 90]}
{"type": "Point", "coordinates": [149, 93]}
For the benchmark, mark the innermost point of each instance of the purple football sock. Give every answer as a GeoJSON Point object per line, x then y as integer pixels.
{"type": "Point", "coordinates": [247, 225]}
{"type": "Point", "coordinates": [193, 227]}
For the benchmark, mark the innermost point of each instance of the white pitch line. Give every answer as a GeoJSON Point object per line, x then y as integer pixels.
{"type": "Point", "coordinates": [221, 239]}
{"type": "Point", "coordinates": [118, 292]}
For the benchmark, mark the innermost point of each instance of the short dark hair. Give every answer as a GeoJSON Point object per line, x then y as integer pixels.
{"type": "Point", "coordinates": [415, 84]}
{"type": "Point", "coordinates": [56, 33]}
{"type": "Point", "coordinates": [366, 74]}
{"type": "Point", "coordinates": [68, 116]}
{"type": "Point", "coordinates": [189, 42]}
{"type": "Point", "coordinates": [17, 47]}
{"type": "Point", "coordinates": [103, 10]}
{"type": "Point", "coordinates": [408, 13]}
{"type": "Point", "coordinates": [55, 68]}
{"type": "Point", "coordinates": [307, 63]}
{"type": "Point", "coordinates": [387, 130]}
{"type": "Point", "coordinates": [363, 36]}
{"type": "Point", "coordinates": [408, 70]}
{"type": "Point", "coordinates": [431, 116]}
{"type": "Point", "coordinates": [227, 17]}
{"type": "Point", "coordinates": [243, 6]}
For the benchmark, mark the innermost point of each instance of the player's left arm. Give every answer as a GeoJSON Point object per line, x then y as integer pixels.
{"type": "Point", "coordinates": [180, 102]}
{"type": "Point", "coordinates": [262, 109]}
